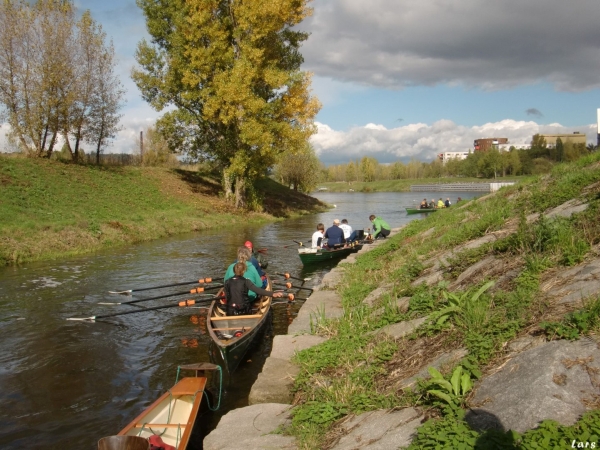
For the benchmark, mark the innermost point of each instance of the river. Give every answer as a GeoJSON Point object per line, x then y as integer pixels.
{"type": "Point", "coordinates": [64, 385]}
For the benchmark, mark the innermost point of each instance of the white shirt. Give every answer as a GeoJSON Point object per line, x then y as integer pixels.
{"type": "Point", "coordinates": [315, 237]}
{"type": "Point", "coordinates": [347, 229]}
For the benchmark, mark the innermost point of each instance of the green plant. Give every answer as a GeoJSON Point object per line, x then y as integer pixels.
{"type": "Point", "coordinates": [451, 392]}
{"type": "Point", "coordinates": [465, 306]}
{"type": "Point", "coordinates": [576, 323]}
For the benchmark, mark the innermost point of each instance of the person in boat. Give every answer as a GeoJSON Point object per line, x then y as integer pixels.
{"type": "Point", "coordinates": [317, 237]}
{"type": "Point", "coordinates": [244, 255]}
{"type": "Point", "coordinates": [349, 235]}
{"type": "Point", "coordinates": [440, 203]}
{"type": "Point", "coordinates": [335, 235]}
{"type": "Point", "coordinates": [432, 204]}
{"type": "Point", "coordinates": [381, 228]}
{"type": "Point", "coordinates": [261, 259]}
{"type": "Point", "coordinates": [447, 203]}
{"type": "Point", "coordinates": [238, 289]}
{"type": "Point", "coordinates": [424, 204]}
{"type": "Point", "coordinates": [458, 199]}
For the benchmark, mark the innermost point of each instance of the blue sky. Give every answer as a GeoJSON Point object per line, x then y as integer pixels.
{"type": "Point", "coordinates": [402, 79]}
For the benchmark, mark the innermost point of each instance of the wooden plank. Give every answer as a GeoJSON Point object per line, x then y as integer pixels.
{"type": "Point", "coordinates": [254, 316]}
{"type": "Point", "coordinates": [160, 425]}
{"type": "Point", "coordinates": [188, 386]}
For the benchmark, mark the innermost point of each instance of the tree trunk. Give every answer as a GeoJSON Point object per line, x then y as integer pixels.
{"type": "Point", "coordinates": [240, 191]}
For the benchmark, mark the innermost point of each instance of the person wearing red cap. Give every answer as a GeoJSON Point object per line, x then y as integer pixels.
{"type": "Point", "coordinates": [260, 258]}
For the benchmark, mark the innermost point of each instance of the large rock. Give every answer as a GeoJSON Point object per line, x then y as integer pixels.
{"type": "Point", "coordinates": [251, 428]}
{"type": "Point", "coordinates": [445, 360]}
{"type": "Point", "coordinates": [578, 282]}
{"type": "Point", "coordinates": [274, 384]}
{"type": "Point", "coordinates": [380, 430]}
{"type": "Point", "coordinates": [401, 329]}
{"type": "Point", "coordinates": [377, 294]}
{"type": "Point", "coordinates": [327, 303]}
{"type": "Point", "coordinates": [551, 381]}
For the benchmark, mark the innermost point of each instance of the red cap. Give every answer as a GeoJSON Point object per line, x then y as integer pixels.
{"type": "Point", "coordinates": [248, 244]}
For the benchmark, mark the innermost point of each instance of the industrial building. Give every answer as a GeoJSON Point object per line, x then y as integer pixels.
{"type": "Point", "coordinates": [575, 138]}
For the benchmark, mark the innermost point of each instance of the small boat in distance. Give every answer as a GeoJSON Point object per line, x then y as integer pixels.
{"type": "Point", "coordinates": [170, 419]}
{"type": "Point", "coordinates": [420, 210]}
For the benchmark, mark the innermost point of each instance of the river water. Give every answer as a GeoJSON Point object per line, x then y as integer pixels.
{"type": "Point", "coordinates": [64, 385]}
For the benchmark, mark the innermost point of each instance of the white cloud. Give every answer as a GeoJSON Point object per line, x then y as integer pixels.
{"type": "Point", "coordinates": [423, 142]}
{"type": "Point", "coordinates": [483, 43]}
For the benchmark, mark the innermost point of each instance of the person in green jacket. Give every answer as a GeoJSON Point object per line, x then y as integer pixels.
{"type": "Point", "coordinates": [381, 229]}
{"type": "Point", "coordinates": [244, 255]}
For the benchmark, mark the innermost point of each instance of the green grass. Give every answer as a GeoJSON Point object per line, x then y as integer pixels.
{"type": "Point", "coordinates": [481, 318]}
{"type": "Point", "coordinates": [50, 208]}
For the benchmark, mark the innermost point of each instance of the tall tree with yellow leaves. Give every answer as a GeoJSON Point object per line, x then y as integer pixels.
{"type": "Point", "coordinates": [231, 70]}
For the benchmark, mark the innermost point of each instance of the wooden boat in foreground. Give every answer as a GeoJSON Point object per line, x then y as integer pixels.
{"type": "Point", "coordinates": [317, 255]}
{"type": "Point", "coordinates": [233, 335]}
{"type": "Point", "coordinates": [171, 417]}
{"type": "Point", "coordinates": [420, 210]}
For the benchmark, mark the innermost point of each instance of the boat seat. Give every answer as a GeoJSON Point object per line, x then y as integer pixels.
{"type": "Point", "coordinates": [253, 316]}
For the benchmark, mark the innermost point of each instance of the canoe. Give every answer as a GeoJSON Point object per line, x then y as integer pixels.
{"type": "Point", "coordinates": [233, 335]}
{"type": "Point", "coordinates": [314, 255]}
{"type": "Point", "coordinates": [171, 417]}
{"type": "Point", "coordinates": [420, 210]}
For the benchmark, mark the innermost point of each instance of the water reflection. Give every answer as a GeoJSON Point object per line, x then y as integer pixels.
{"type": "Point", "coordinates": [64, 385]}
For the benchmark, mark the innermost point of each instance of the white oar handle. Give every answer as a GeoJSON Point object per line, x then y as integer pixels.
{"type": "Point", "coordinates": [82, 319]}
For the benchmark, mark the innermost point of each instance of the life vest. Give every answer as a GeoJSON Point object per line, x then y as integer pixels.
{"type": "Point", "coordinates": [156, 443]}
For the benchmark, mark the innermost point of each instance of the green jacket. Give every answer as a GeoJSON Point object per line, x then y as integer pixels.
{"type": "Point", "coordinates": [250, 273]}
{"type": "Point", "coordinates": [378, 225]}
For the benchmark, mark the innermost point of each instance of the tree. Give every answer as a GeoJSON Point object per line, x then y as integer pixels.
{"type": "Point", "coordinates": [367, 168]}
{"type": "Point", "coordinates": [560, 150]}
{"type": "Point", "coordinates": [48, 73]}
{"type": "Point", "coordinates": [538, 142]}
{"type": "Point", "coordinates": [231, 70]}
{"type": "Point", "coordinates": [300, 169]}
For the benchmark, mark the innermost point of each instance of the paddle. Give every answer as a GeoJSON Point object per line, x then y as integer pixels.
{"type": "Point", "coordinates": [200, 281]}
{"type": "Point", "coordinates": [193, 291]}
{"type": "Point", "coordinates": [104, 316]}
{"type": "Point", "coordinates": [287, 275]}
{"type": "Point", "coordinates": [289, 285]}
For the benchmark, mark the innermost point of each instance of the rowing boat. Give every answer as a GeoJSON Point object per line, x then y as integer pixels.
{"type": "Point", "coordinates": [317, 255]}
{"type": "Point", "coordinates": [420, 210]}
{"type": "Point", "coordinates": [233, 335]}
{"type": "Point", "coordinates": [170, 418]}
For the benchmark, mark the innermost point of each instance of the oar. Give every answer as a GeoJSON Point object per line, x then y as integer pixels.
{"type": "Point", "coordinates": [104, 316]}
{"type": "Point", "coordinates": [200, 281]}
{"type": "Point", "coordinates": [289, 285]}
{"type": "Point", "coordinates": [193, 291]}
{"type": "Point", "coordinates": [287, 275]}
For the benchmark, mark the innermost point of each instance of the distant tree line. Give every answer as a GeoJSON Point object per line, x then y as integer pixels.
{"type": "Point", "coordinates": [489, 164]}
{"type": "Point", "coordinates": [57, 78]}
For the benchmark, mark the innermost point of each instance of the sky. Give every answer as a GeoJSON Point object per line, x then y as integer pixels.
{"type": "Point", "coordinates": [408, 79]}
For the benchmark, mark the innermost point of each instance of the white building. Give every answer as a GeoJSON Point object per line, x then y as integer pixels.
{"type": "Point", "coordinates": [444, 157]}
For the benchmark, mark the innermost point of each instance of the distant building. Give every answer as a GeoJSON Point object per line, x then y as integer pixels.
{"type": "Point", "coordinates": [444, 157]}
{"type": "Point", "coordinates": [483, 145]}
{"type": "Point", "coordinates": [506, 147]}
{"type": "Point", "coordinates": [575, 138]}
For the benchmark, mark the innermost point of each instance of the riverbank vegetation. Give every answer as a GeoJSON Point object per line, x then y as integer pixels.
{"type": "Point", "coordinates": [490, 164]}
{"type": "Point", "coordinates": [50, 208]}
{"type": "Point", "coordinates": [359, 369]}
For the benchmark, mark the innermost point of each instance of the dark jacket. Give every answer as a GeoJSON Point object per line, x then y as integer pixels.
{"type": "Point", "coordinates": [335, 236]}
{"type": "Point", "coordinates": [236, 294]}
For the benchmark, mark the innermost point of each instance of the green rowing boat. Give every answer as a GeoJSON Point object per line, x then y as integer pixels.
{"type": "Point", "coordinates": [420, 210]}
{"type": "Point", "coordinates": [317, 255]}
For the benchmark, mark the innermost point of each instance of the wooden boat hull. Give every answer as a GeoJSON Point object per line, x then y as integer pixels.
{"type": "Point", "coordinates": [172, 416]}
{"type": "Point", "coordinates": [310, 256]}
{"type": "Point", "coordinates": [222, 330]}
{"type": "Point", "coordinates": [420, 210]}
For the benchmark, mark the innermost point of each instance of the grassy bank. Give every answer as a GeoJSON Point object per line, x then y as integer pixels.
{"type": "Point", "coordinates": [50, 209]}
{"type": "Point", "coordinates": [404, 185]}
{"type": "Point", "coordinates": [357, 371]}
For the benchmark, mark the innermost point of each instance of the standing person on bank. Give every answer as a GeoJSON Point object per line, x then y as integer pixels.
{"type": "Point", "coordinates": [317, 237]}
{"type": "Point", "coordinates": [238, 289]}
{"type": "Point", "coordinates": [381, 228]}
{"type": "Point", "coordinates": [335, 235]}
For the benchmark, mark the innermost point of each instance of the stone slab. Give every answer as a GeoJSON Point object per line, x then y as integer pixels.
{"type": "Point", "coordinates": [250, 428]}
{"type": "Point", "coordinates": [377, 294]}
{"type": "Point", "coordinates": [285, 346]}
{"type": "Point", "coordinates": [401, 329]}
{"type": "Point", "coordinates": [274, 383]}
{"type": "Point", "coordinates": [550, 381]}
{"type": "Point", "coordinates": [328, 301]}
{"type": "Point", "coordinates": [380, 430]}
{"type": "Point", "coordinates": [447, 358]}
